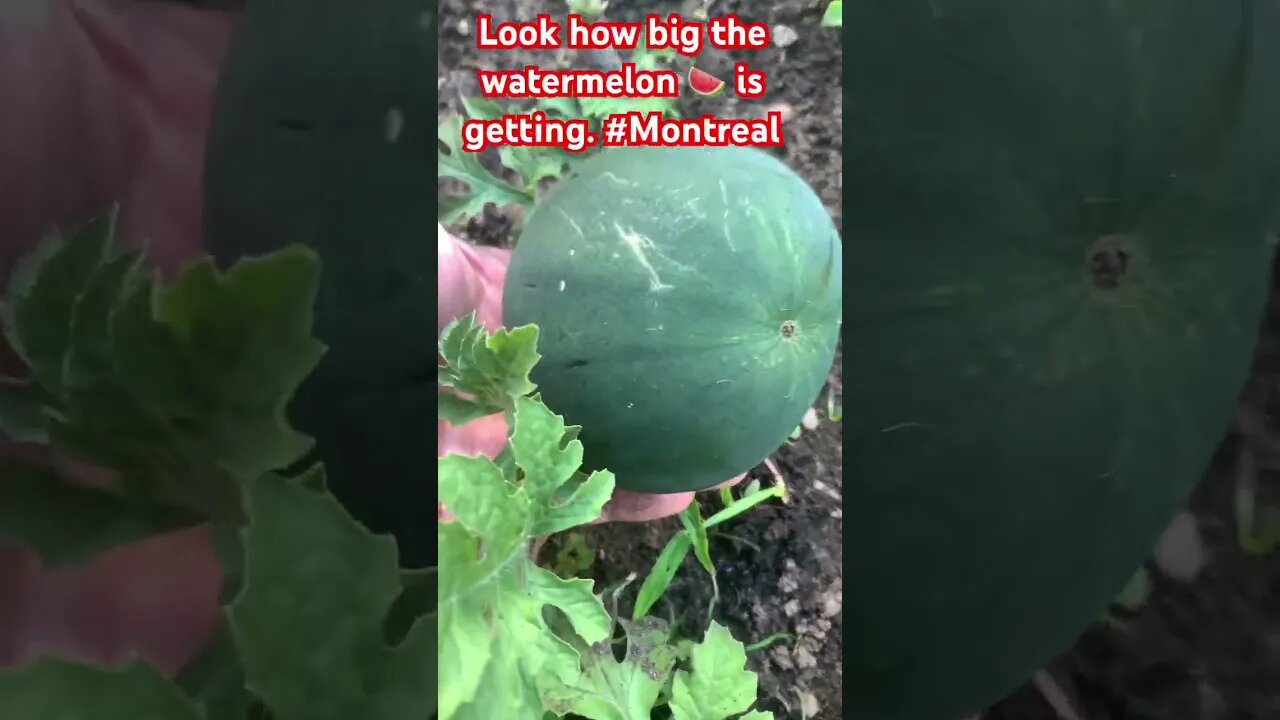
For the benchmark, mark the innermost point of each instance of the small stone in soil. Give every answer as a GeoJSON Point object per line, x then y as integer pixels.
{"type": "Point", "coordinates": [784, 35]}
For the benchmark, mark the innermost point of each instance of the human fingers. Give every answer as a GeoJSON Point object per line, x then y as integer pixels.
{"type": "Point", "coordinates": [157, 599]}
{"type": "Point", "coordinates": [470, 279]}
{"type": "Point", "coordinates": [628, 506]}
{"type": "Point", "coordinates": [111, 105]}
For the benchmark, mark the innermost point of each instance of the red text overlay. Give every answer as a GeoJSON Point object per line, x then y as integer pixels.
{"type": "Point", "coordinates": [633, 105]}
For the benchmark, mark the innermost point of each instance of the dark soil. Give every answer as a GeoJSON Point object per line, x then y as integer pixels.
{"type": "Point", "coordinates": [779, 565]}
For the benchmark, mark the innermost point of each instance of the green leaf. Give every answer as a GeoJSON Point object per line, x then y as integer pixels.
{"type": "Point", "coordinates": [613, 690]}
{"type": "Point", "coordinates": [745, 503]}
{"type": "Point", "coordinates": [766, 642]}
{"type": "Point", "coordinates": [582, 506]}
{"type": "Point", "coordinates": [534, 163]}
{"type": "Point", "coordinates": [177, 388]}
{"type": "Point", "coordinates": [89, 357]}
{"type": "Point", "coordinates": [535, 443]}
{"type": "Point", "coordinates": [691, 519]}
{"type": "Point", "coordinates": [466, 167]}
{"type": "Point", "coordinates": [49, 689]}
{"type": "Point", "coordinates": [67, 524]}
{"type": "Point", "coordinates": [602, 107]}
{"type": "Point", "coordinates": [834, 14]}
{"type": "Point", "coordinates": [496, 649]}
{"type": "Point", "coordinates": [482, 500]}
{"type": "Point", "coordinates": [757, 715]}
{"type": "Point", "coordinates": [718, 684]}
{"type": "Point", "coordinates": [515, 352]}
{"type": "Point", "coordinates": [215, 677]}
{"type": "Point", "coordinates": [310, 618]}
{"type": "Point", "coordinates": [1257, 525]}
{"type": "Point", "coordinates": [479, 108]}
{"type": "Point", "coordinates": [222, 354]}
{"type": "Point", "coordinates": [659, 578]}
{"type": "Point", "coordinates": [565, 108]}
{"type": "Point", "coordinates": [490, 369]}
{"type": "Point", "coordinates": [589, 9]}
{"type": "Point", "coordinates": [1135, 592]}
{"type": "Point", "coordinates": [44, 291]}
{"type": "Point", "coordinates": [574, 556]}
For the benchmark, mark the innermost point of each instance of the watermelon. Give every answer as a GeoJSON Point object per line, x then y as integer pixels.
{"type": "Point", "coordinates": [1060, 215]}
{"type": "Point", "coordinates": [704, 83]}
{"type": "Point", "coordinates": [688, 301]}
{"type": "Point", "coordinates": [324, 133]}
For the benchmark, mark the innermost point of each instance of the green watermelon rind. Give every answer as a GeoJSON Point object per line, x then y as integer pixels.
{"type": "Point", "coordinates": [663, 281]}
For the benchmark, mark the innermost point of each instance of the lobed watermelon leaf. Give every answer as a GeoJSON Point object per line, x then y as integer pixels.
{"type": "Point", "coordinates": [717, 685]}
{"type": "Point", "coordinates": [310, 617]}
{"type": "Point", "coordinates": [629, 689]}
{"type": "Point", "coordinates": [483, 187]}
{"type": "Point", "coordinates": [500, 652]}
{"type": "Point", "coordinates": [174, 388]}
{"type": "Point", "coordinates": [531, 163]}
{"type": "Point", "coordinates": [488, 371]}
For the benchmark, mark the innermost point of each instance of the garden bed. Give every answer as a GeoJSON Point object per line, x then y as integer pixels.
{"type": "Point", "coordinates": [779, 564]}
{"type": "Point", "coordinates": [1202, 647]}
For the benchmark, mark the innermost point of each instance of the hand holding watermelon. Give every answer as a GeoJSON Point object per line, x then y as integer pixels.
{"type": "Point", "coordinates": [470, 279]}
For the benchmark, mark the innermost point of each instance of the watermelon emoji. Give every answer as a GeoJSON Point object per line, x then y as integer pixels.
{"type": "Point", "coordinates": [704, 83]}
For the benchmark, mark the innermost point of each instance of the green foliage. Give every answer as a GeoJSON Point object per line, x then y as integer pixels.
{"type": "Point", "coordinates": [610, 689]}
{"type": "Point", "coordinates": [320, 621]}
{"type": "Point", "coordinates": [574, 556]}
{"type": "Point", "coordinates": [534, 164]}
{"type": "Point", "coordinates": [175, 390]}
{"type": "Point", "coordinates": [519, 639]}
{"type": "Point", "coordinates": [324, 655]}
{"type": "Point", "coordinates": [49, 689]}
{"type": "Point", "coordinates": [588, 9]}
{"type": "Point", "coordinates": [662, 573]}
{"type": "Point", "coordinates": [694, 537]}
{"type": "Point", "coordinates": [531, 164]}
{"type": "Point", "coordinates": [491, 597]}
{"type": "Point", "coordinates": [1136, 591]}
{"type": "Point", "coordinates": [597, 109]}
{"type": "Point", "coordinates": [483, 187]}
{"type": "Point", "coordinates": [717, 685]}
{"type": "Point", "coordinates": [486, 372]}
{"type": "Point", "coordinates": [182, 387]}
{"type": "Point", "coordinates": [1257, 524]}
{"type": "Point", "coordinates": [835, 410]}
{"type": "Point", "coordinates": [834, 14]}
